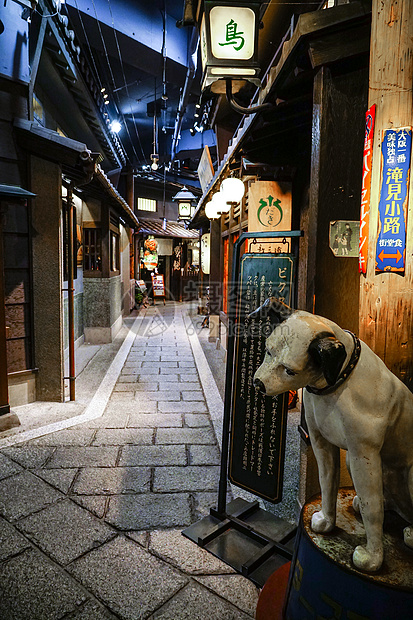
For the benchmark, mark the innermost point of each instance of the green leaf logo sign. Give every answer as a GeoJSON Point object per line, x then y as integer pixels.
{"type": "Point", "coordinates": [269, 212]}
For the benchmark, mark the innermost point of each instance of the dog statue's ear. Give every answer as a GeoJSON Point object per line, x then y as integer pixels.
{"type": "Point", "coordinates": [329, 354]}
{"type": "Point", "coordinates": [276, 310]}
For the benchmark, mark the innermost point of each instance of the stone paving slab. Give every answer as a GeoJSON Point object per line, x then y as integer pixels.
{"type": "Point", "coordinates": [197, 420]}
{"type": "Point", "coordinates": [143, 512]}
{"type": "Point", "coordinates": [83, 457]}
{"type": "Point", "coordinates": [132, 594]}
{"type": "Point", "coordinates": [67, 437]}
{"type": "Point", "coordinates": [164, 370]}
{"type": "Point", "coordinates": [182, 553]}
{"type": "Point", "coordinates": [29, 456]}
{"type": "Point", "coordinates": [154, 456]}
{"type": "Point", "coordinates": [61, 479]}
{"type": "Point", "coordinates": [91, 610]}
{"type": "Point", "coordinates": [124, 387]}
{"type": "Point", "coordinates": [164, 377]}
{"type": "Point", "coordinates": [111, 419]}
{"type": "Point", "coordinates": [96, 504]}
{"type": "Point", "coordinates": [11, 541]}
{"type": "Point", "coordinates": [204, 455]}
{"type": "Point", "coordinates": [7, 467]}
{"type": "Point", "coordinates": [24, 494]}
{"type": "Point", "coordinates": [182, 387]}
{"type": "Point", "coordinates": [188, 377]}
{"type": "Point", "coordinates": [195, 601]}
{"type": "Point", "coordinates": [48, 592]}
{"type": "Point", "coordinates": [161, 364]}
{"type": "Point", "coordinates": [138, 404]}
{"type": "Point", "coordinates": [185, 435]}
{"type": "Point", "coordinates": [189, 396]}
{"type": "Point", "coordinates": [65, 531]}
{"type": "Point", "coordinates": [235, 589]}
{"type": "Point", "coordinates": [165, 395]}
{"type": "Point", "coordinates": [155, 420]}
{"type": "Point", "coordinates": [189, 478]}
{"type": "Point", "coordinates": [182, 407]}
{"type": "Point", "coordinates": [122, 436]}
{"type": "Point", "coordinates": [118, 480]}
{"type": "Point", "coordinates": [127, 379]}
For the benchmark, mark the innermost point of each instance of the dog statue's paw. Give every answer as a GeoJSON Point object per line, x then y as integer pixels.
{"type": "Point", "coordinates": [356, 504]}
{"type": "Point", "coordinates": [320, 523]}
{"type": "Point", "coordinates": [408, 536]}
{"type": "Point", "coordinates": [366, 561]}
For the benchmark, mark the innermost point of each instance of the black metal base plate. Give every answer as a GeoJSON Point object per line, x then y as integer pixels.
{"type": "Point", "coordinates": [247, 547]}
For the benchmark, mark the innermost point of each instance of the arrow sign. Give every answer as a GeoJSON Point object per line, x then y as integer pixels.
{"type": "Point", "coordinates": [397, 256]}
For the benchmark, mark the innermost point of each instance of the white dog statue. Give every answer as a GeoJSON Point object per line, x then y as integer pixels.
{"type": "Point", "coordinates": [352, 401]}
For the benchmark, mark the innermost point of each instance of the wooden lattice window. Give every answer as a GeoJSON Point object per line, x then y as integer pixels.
{"type": "Point", "coordinates": [92, 249]}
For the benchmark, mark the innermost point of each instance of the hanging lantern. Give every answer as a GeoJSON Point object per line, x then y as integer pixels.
{"type": "Point", "coordinates": [211, 211]}
{"type": "Point", "coordinates": [185, 200]}
{"type": "Point", "coordinates": [229, 41]}
{"type": "Point", "coordinates": [233, 189]}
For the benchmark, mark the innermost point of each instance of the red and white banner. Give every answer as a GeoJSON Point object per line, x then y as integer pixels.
{"type": "Point", "coordinates": [365, 189]}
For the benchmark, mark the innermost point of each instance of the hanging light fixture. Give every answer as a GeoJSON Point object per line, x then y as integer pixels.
{"type": "Point", "coordinates": [233, 189]}
{"type": "Point", "coordinates": [219, 201]}
{"type": "Point", "coordinates": [229, 41]}
{"type": "Point", "coordinates": [211, 211]}
{"type": "Point", "coordinates": [115, 126]}
{"type": "Point", "coordinates": [185, 200]}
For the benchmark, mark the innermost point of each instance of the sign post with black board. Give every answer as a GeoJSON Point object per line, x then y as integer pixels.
{"type": "Point", "coordinates": [259, 422]}
{"type": "Point", "coordinates": [250, 539]}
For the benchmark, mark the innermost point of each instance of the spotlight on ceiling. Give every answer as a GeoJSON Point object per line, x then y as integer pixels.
{"type": "Point", "coordinates": [192, 131]}
{"type": "Point", "coordinates": [115, 126]}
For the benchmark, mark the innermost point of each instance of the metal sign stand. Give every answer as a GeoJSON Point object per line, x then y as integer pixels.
{"type": "Point", "coordinates": [250, 539]}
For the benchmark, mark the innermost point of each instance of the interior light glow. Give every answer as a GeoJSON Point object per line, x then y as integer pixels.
{"type": "Point", "coordinates": [220, 202]}
{"type": "Point", "coordinates": [233, 189]}
{"type": "Point", "coordinates": [115, 126]}
{"type": "Point", "coordinates": [211, 211]}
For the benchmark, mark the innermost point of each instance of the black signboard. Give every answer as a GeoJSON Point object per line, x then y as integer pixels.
{"type": "Point", "coordinates": [258, 421]}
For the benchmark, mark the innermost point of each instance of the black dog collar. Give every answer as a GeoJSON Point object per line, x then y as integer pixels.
{"type": "Point", "coordinates": [344, 373]}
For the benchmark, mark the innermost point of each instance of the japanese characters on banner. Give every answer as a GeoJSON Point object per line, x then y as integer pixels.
{"type": "Point", "coordinates": [394, 194]}
{"type": "Point", "coordinates": [269, 209]}
{"type": "Point", "coordinates": [366, 189]}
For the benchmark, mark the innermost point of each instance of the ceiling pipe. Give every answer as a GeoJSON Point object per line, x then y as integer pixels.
{"type": "Point", "coordinates": [186, 91]}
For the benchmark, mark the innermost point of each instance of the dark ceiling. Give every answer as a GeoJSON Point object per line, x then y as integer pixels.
{"type": "Point", "coordinates": [146, 64]}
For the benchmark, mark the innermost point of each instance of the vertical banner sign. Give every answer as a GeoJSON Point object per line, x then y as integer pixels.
{"type": "Point", "coordinates": [258, 421]}
{"type": "Point", "coordinates": [394, 195]}
{"type": "Point", "coordinates": [366, 189]}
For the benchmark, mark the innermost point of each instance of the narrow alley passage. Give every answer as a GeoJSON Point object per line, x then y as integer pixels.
{"type": "Point", "coordinates": [91, 515]}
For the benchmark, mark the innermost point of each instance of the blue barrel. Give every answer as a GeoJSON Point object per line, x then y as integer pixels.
{"type": "Point", "coordinates": [324, 583]}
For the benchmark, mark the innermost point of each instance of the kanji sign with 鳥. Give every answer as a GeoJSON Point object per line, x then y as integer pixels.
{"type": "Point", "coordinates": [394, 194]}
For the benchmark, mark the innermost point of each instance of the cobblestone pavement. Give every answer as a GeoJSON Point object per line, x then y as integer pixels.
{"type": "Point", "coordinates": [91, 516]}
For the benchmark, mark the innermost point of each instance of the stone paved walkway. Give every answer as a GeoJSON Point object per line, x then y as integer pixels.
{"type": "Point", "coordinates": [91, 516]}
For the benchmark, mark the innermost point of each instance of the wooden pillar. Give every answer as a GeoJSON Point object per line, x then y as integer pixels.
{"type": "Point", "coordinates": [46, 179]}
{"type": "Point", "coordinates": [386, 316]}
{"type": "Point", "coordinates": [328, 285]}
{"type": "Point", "coordinates": [4, 392]}
{"type": "Point", "coordinates": [339, 104]}
{"type": "Point", "coordinates": [105, 232]}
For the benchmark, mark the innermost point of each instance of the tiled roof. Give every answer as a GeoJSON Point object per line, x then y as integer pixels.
{"type": "Point", "coordinates": [173, 229]}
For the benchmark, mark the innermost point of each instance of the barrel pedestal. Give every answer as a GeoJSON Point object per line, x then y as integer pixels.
{"type": "Point", "coordinates": [324, 583]}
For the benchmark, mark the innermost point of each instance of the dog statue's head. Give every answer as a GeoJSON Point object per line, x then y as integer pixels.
{"type": "Point", "coordinates": [301, 350]}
